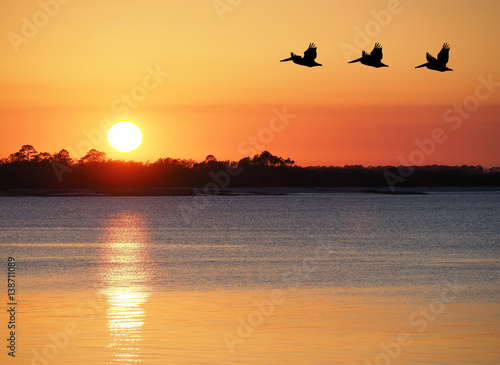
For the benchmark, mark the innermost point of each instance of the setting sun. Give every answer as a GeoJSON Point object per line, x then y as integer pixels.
{"type": "Point", "coordinates": [125, 136]}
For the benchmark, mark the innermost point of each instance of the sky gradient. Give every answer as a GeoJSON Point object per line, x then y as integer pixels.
{"type": "Point", "coordinates": [204, 78]}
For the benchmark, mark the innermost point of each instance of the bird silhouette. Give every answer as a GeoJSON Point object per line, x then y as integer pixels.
{"type": "Point", "coordinates": [373, 59]}
{"type": "Point", "coordinates": [308, 59]}
{"type": "Point", "coordinates": [438, 64]}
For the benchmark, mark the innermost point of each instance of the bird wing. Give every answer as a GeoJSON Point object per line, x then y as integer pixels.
{"type": "Point", "coordinates": [310, 54]}
{"type": "Point", "coordinates": [431, 58]}
{"type": "Point", "coordinates": [377, 52]}
{"type": "Point", "coordinates": [444, 54]}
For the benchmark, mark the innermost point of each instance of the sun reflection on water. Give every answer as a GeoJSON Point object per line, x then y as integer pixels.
{"type": "Point", "coordinates": [124, 282]}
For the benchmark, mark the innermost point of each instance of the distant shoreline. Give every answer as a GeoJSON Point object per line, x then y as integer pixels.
{"type": "Point", "coordinates": [27, 174]}
{"type": "Point", "coordinates": [238, 191]}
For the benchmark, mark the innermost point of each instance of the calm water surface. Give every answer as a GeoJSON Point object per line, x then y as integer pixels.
{"type": "Point", "coordinates": [294, 279]}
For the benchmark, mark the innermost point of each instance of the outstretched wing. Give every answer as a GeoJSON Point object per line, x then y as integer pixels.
{"type": "Point", "coordinates": [444, 54]}
{"type": "Point", "coordinates": [431, 58]}
{"type": "Point", "coordinates": [377, 52]}
{"type": "Point", "coordinates": [310, 54]}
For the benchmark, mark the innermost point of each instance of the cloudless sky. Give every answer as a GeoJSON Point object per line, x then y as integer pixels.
{"type": "Point", "coordinates": [70, 70]}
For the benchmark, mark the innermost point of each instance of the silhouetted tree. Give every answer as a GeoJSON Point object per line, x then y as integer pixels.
{"type": "Point", "coordinates": [27, 169]}
{"type": "Point", "coordinates": [26, 153]}
{"type": "Point", "coordinates": [244, 162]}
{"type": "Point", "coordinates": [93, 156]}
{"type": "Point", "coordinates": [266, 158]}
{"type": "Point", "coordinates": [210, 158]}
{"type": "Point", "coordinates": [43, 156]}
{"type": "Point", "coordinates": [63, 157]}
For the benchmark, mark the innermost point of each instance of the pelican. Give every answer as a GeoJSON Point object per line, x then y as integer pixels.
{"type": "Point", "coordinates": [308, 59]}
{"type": "Point", "coordinates": [373, 59]}
{"type": "Point", "coordinates": [438, 64]}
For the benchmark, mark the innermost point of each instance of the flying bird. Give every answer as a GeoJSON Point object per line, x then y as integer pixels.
{"type": "Point", "coordinates": [308, 59]}
{"type": "Point", "coordinates": [373, 59]}
{"type": "Point", "coordinates": [438, 64]}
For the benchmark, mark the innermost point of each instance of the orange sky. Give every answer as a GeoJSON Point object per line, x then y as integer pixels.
{"type": "Point", "coordinates": [200, 79]}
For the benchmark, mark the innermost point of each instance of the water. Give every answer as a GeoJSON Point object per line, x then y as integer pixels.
{"type": "Point", "coordinates": [294, 279]}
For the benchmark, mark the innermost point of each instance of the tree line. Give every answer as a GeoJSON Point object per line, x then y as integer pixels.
{"type": "Point", "coordinates": [29, 169]}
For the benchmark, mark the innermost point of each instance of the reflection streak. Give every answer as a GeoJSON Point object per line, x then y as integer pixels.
{"type": "Point", "coordinates": [124, 283]}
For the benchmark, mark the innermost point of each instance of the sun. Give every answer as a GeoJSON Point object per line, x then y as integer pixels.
{"type": "Point", "coordinates": [125, 136]}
